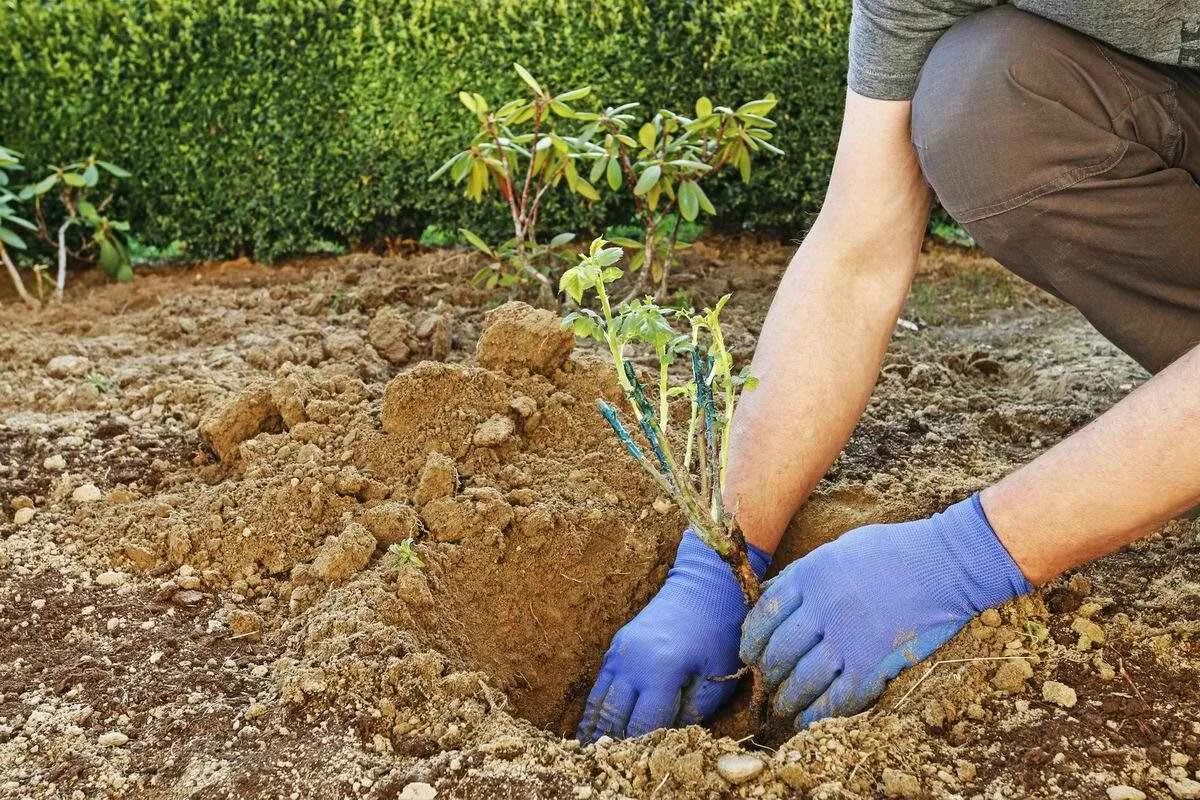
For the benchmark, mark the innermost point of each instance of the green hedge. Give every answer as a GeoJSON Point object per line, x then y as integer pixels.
{"type": "Point", "coordinates": [267, 126]}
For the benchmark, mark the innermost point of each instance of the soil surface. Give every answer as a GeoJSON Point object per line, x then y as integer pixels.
{"type": "Point", "coordinates": [208, 478]}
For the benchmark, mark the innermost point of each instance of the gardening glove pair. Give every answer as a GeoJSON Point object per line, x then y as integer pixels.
{"type": "Point", "coordinates": [834, 627]}
{"type": "Point", "coordinates": [658, 670]}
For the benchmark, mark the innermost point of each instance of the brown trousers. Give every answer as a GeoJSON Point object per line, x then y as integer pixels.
{"type": "Point", "coordinates": [1076, 167]}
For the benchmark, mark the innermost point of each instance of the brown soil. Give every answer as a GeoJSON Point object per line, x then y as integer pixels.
{"type": "Point", "coordinates": [230, 619]}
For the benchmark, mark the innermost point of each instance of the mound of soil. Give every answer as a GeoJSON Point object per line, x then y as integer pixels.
{"type": "Point", "coordinates": [337, 530]}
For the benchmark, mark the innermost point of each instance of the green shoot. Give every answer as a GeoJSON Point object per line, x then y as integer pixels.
{"type": "Point", "coordinates": [712, 393]}
{"type": "Point", "coordinates": [403, 554]}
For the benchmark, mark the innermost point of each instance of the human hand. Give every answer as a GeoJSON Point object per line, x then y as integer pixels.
{"type": "Point", "coordinates": [657, 670]}
{"type": "Point", "coordinates": [834, 627]}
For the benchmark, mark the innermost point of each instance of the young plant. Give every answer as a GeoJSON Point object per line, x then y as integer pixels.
{"type": "Point", "coordinates": [696, 481]}
{"type": "Point", "coordinates": [74, 184]}
{"type": "Point", "coordinates": [520, 153]}
{"type": "Point", "coordinates": [404, 556]}
{"type": "Point", "coordinates": [664, 166]}
{"type": "Point", "coordinates": [11, 222]}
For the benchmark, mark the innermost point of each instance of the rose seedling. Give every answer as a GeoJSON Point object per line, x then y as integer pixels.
{"type": "Point", "coordinates": [696, 481]}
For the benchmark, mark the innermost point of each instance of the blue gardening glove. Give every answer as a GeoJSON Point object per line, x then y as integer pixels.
{"type": "Point", "coordinates": [834, 627]}
{"type": "Point", "coordinates": [656, 671]}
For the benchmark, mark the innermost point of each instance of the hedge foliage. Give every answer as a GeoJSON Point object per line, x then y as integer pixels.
{"type": "Point", "coordinates": [267, 126]}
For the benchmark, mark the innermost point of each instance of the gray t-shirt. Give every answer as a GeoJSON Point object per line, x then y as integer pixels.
{"type": "Point", "coordinates": [890, 39]}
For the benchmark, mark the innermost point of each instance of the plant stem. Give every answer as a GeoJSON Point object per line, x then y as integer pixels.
{"type": "Point", "coordinates": [60, 282]}
{"type": "Point", "coordinates": [16, 279]}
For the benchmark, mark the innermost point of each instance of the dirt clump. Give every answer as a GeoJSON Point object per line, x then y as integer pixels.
{"type": "Point", "coordinates": [518, 336]}
{"type": "Point", "coordinates": [242, 416]}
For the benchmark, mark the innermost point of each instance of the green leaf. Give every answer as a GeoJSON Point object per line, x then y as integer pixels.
{"type": "Point", "coordinates": [461, 167]}
{"type": "Point", "coordinates": [572, 283]}
{"type": "Point", "coordinates": [449, 163]}
{"type": "Point", "coordinates": [41, 187]}
{"type": "Point", "coordinates": [114, 170]}
{"type": "Point", "coordinates": [91, 175]}
{"type": "Point", "coordinates": [585, 189]}
{"type": "Point", "coordinates": [598, 166]}
{"type": "Point", "coordinates": [705, 204]}
{"type": "Point", "coordinates": [646, 136]}
{"type": "Point", "coordinates": [574, 94]}
{"type": "Point", "coordinates": [704, 107]}
{"type": "Point", "coordinates": [525, 76]}
{"type": "Point", "coordinates": [468, 100]}
{"type": "Point", "coordinates": [647, 180]}
{"type": "Point", "coordinates": [630, 243]}
{"type": "Point", "coordinates": [88, 211]}
{"type": "Point", "coordinates": [74, 179]}
{"type": "Point", "coordinates": [11, 239]}
{"type": "Point", "coordinates": [758, 107]}
{"type": "Point", "coordinates": [561, 109]}
{"type": "Point", "coordinates": [608, 256]}
{"type": "Point", "coordinates": [479, 244]}
{"type": "Point", "coordinates": [613, 174]}
{"type": "Point", "coordinates": [689, 200]}
{"type": "Point", "coordinates": [561, 239]}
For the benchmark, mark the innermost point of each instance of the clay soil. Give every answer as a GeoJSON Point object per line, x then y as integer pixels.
{"type": "Point", "coordinates": [203, 592]}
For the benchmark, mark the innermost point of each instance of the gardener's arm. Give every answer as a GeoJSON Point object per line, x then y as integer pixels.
{"type": "Point", "coordinates": [817, 360]}
{"type": "Point", "coordinates": [1122, 476]}
{"type": "Point", "coordinates": [821, 346]}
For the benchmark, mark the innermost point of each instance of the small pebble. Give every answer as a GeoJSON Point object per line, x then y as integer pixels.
{"type": "Point", "coordinates": [418, 791]}
{"type": "Point", "coordinates": [1124, 792]}
{"type": "Point", "coordinates": [87, 493]}
{"type": "Point", "coordinates": [111, 578]}
{"type": "Point", "coordinates": [55, 463]}
{"type": "Point", "coordinates": [112, 739]}
{"type": "Point", "coordinates": [23, 515]}
{"type": "Point", "coordinates": [739, 767]}
{"type": "Point", "coordinates": [1184, 789]}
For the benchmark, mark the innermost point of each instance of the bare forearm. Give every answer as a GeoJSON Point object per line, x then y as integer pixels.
{"type": "Point", "coordinates": [823, 340]}
{"type": "Point", "coordinates": [1133, 468]}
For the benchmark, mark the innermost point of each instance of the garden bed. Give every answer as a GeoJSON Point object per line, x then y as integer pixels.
{"type": "Point", "coordinates": [229, 616]}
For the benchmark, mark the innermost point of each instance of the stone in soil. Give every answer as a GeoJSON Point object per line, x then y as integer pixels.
{"type": "Point", "coordinates": [23, 515]}
{"type": "Point", "coordinates": [438, 478]}
{"type": "Point", "coordinates": [87, 493]}
{"type": "Point", "coordinates": [897, 783]}
{"type": "Point", "coordinates": [739, 767]}
{"type": "Point", "coordinates": [418, 791]}
{"type": "Point", "coordinates": [1123, 792]}
{"type": "Point", "coordinates": [112, 739]}
{"type": "Point", "coordinates": [68, 366]}
{"type": "Point", "coordinates": [1184, 788]}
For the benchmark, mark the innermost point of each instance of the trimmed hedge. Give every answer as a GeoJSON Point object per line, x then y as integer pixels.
{"type": "Point", "coordinates": [267, 126]}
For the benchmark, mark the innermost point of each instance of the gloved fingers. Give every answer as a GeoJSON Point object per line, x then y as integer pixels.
{"type": "Point", "coordinates": [842, 699]}
{"type": "Point", "coordinates": [916, 649]}
{"type": "Point", "coordinates": [655, 708]}
{"type": "Point", "coordinates": [778, 602]}
{"type": "Point", "coordinates": [613, 714]}
{"type": "Point", "coordinates": [813, 674]}
{"type": "Point", "coordinates": [792, 639]}
{"type": "Point", "coordinates": [702, 697]}
{"type": "Point", "coordinates": [586, 732]}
